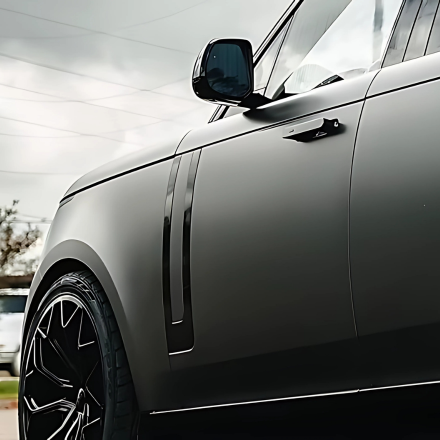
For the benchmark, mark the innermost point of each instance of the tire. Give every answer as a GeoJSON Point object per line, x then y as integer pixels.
{"type": "Point", "coordinates": [75, 379]}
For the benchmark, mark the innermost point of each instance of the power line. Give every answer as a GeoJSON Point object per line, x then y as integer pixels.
{"type": "Point", "coordinates": [43, 174]}
{"type": "Point", "coordinates": [32, 216]}
{"type": "Point", "coordinates": [47, 222]}
{"type": "Point", "coordinates": [161, 18]}
{"type": "Point", "coordinates": [96, 32]}
{"type": "Point", "coordinates": [82, 134]}
{"type": "Point", "coordinates": [58, 69]}
{"type": "Point", "coordinates": [60, 99]}
{"type": "Point", "coordinates": [86, 101]}
{"type": "Point", "coordinates": [40, 137]}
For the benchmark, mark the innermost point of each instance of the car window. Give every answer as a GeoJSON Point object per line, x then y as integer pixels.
{"type": "Point", "coordinates": [265, 65]}
{"type": "Point", "coordinates": [434, 39]}
{"type": "Point", "coordinates": [421, 30]}
{"type": "Point", "coordinates": [400, 38]}
{"type": "Point", "coordinates": [332, 41]}
{"type": "Point", "coordinates": [417, 33]}
{"type": "Point", "coordinates": [12, 303]}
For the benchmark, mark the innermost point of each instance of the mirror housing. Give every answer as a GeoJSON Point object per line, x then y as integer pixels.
{"type": "Point", "coordinates": [224, 74]}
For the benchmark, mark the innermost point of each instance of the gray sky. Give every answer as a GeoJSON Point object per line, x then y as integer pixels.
{"type": "Point", "coordinates": [83, 82]}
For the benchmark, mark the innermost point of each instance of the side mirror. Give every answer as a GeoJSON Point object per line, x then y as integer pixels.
{"type": "Point", "coordinates": [224, 74]}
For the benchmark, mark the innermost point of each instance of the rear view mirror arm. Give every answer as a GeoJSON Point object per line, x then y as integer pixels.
{"type": "Point", "coordinates": [254, 100]}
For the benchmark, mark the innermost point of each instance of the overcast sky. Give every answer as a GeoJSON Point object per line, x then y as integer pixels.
{"type": "Point", "coordinates": [83, 82]}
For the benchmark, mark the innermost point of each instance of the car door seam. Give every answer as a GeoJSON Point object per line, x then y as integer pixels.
{"type": "Point", "coordinates": [407, 86]}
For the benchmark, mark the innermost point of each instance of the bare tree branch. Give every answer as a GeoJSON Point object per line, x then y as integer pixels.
{"type": "Point", "coordinates": [15, 244]}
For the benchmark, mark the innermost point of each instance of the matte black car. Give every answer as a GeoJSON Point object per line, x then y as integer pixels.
{"type": "Point", "coordinates": [288, 248]}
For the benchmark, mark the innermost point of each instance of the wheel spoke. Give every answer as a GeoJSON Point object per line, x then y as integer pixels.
{"type": "Point", "coordinates": [75, 428]}
{"type": "Point", "coordinates": [54, 327]}
{"type": "Point", "coordinates": [90, 385]}
{"type": "Point", "coordinates": [93, 397]}
{"type": "Point", "coordinates": [88, 390]}
{"type": "Point", "coordinates": [60, 405]}
{"type": "Point", "coordinates": [91, 430]}
{"type": "Point", "coordinates": [86, 332]}
{"type": "Point", "coordinates": [65, 339]}
{"type": "Point", "coordinates": [67, 315]}
{"type": "Point", "coordinates": [59, 433]}
{"type": "Point", "coordinates": [63, 356]}
{"type": "Point", "coordinates": [63, 385]}
{"type": "Point", "coordinates": [39, 366]}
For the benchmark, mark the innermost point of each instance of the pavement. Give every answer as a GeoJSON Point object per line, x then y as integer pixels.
{"type": "Point", "coordinates": [8, 424]}
{"type": "Point", "coordinates": [8, 414]}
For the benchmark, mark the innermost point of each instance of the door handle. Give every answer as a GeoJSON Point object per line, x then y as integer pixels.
{"type": "Point", "coordinates": [311, 130]}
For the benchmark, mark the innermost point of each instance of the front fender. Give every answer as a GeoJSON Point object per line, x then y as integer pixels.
{"type": "Point", "coordinates": [115, 229]}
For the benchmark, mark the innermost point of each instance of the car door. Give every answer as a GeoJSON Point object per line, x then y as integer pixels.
{"type": "Point", "coordinates": [271, 305]}
{"type": "Point", "coordinates": [395, 207]}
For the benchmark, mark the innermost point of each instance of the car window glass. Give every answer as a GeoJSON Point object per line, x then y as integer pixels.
{"type": "Point", "coordinates": [262, 70]}
{"type": "Point", "coordinates": [422, 28]}
{"type": "Point", "coordinates": [332, 41]}
{"type": "Point", "coordinates": [434, 39]}
{"type": "Point", "coordinates": [400, 38]}
{"type": "Point", "coordinates": [265, 65]}
{"type": "Point", "coordinates": [12, 304]}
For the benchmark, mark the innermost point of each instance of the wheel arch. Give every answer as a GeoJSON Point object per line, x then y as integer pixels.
{"type": "Point", "coordinates": [71, 256]}
{"type": "Point", "coordinates": [56, 271]}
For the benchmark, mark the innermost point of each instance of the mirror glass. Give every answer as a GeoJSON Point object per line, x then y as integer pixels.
{"type": "Point", "coordinates": [226, 70]}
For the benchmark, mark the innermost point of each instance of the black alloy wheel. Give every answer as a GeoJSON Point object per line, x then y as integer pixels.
{"type": "Point", "coordinates": [75, 380]}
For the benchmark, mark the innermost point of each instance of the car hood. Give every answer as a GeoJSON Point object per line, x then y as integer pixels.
{"type": "Point", "coordinates": [125, 164]}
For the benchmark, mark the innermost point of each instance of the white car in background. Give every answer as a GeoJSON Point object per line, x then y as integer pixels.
{"type": "Point", "coordinates": [12, 305]}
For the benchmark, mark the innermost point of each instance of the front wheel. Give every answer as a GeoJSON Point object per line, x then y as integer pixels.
{"type": "Point", "coordinates": [75, 381]}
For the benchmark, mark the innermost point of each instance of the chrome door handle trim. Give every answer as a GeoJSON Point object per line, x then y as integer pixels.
{"type": "Point", "coordinates": [311, 130]}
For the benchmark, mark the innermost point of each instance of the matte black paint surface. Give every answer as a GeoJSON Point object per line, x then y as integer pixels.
{"type": "Point", "coordinates": [331, 367]}
{"type": "Point", "coordinates": [116, 229]}
{"type": "Point", "coordinates": [395, 217]}
{"type": "Point", "coordinates": [270, 266]}
{"type": "Point", "coordinates": [129, 163]}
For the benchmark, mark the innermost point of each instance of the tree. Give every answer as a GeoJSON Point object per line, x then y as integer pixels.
{"type": "Point", "coordinates": [13, 243]}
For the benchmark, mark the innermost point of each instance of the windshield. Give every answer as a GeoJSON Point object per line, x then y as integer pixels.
{"type": "Point", "coordinates": [333, 41]}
